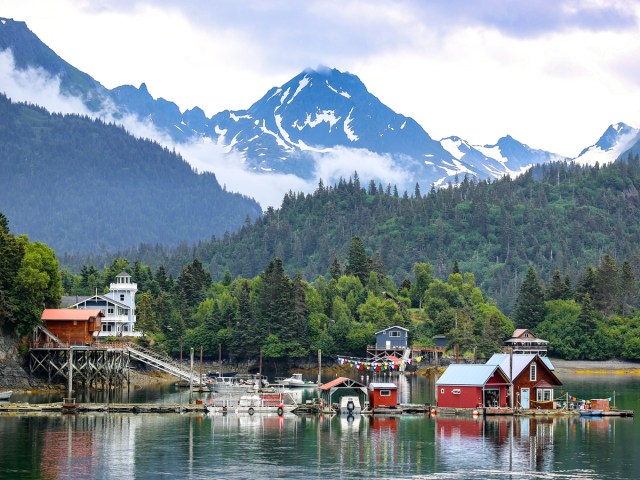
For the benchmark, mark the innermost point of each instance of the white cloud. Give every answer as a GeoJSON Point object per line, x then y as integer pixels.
{"type": "Point", "coordinates": [35, 86]}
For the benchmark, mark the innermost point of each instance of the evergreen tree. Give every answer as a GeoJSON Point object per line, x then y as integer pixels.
{"type": "Point", "coordinates": [357, 261]}
{"type": "Point", "coordinates": [557, 289]}
{"type": "Point", "coordinates": [529, 310]}
{"type": "Point", "coordinates": [587, 284]}
{"type": "Point", "coordinates": [628, 288]}
{"type": "Point", "coordinates": [336, 269]}
{"type": "Point", "coordinates": [606, 292]}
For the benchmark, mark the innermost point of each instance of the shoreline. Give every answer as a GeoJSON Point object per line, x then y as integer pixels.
{"type": "Point", "coordinates": [595, 367]}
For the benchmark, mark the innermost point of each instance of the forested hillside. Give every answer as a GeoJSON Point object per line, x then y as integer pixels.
{"type": "Point", "coordinates": [556, 217]}
{"type": "Point", "coordinates": [79, 184]}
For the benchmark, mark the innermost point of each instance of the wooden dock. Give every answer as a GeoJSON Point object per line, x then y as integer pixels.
{"type": "Point", "coordinates": [61, 407]}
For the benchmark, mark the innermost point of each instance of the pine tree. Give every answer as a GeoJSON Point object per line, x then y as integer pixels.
{"type": "Point", "coordinates": [606, 293]}
{"type": "Point", "coordinates": [529, 310]}
{"type": "Point", "coordinates": [628, 288]}
{"type": "Point", "coordinates": [336, 270]}
{"type": "Point", "coordinates": [358, 261]}
{"type": "Point", "coordinates": [557, 289]}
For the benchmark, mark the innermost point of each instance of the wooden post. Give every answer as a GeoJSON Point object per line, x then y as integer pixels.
{"type": "Point", "coordinates": [201, 368]}
{"type": "Point", "coordinates": [260, 371]}
{"type": "Point", "coordinates": [456, 353]}
{"type": "Point", "coordinates": [319, 370]}
{"type": "Point", "coordinates": [191, 380]}
{"type": "Point", "coordinates": [70, 382]}
{"type": "Point", "coordinates": [180, 353]}
{"type": "Point", "coordinates": [219, 359]}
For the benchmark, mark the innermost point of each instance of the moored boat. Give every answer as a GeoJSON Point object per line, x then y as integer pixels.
{"type": "Point", "coordinates": [255, 403]}
{"type": "Point", "coordinates": [295, 381]}
{"type": "Point", "coordinates": [6, 395]}
{"type": "Point", "coordinates": [591, 413]}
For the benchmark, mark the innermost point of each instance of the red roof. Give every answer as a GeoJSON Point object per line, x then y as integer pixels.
{"type": "Point", "coordinates": [348, 382]}
{"type": "Point", "coordinates": [70, 314]}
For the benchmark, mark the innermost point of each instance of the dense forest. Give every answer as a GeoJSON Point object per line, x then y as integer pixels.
{"type": "Point", "coordinates": [555, 217]}
{"type": "Point", "coordinates": [339, 312]}
{"type": "Point", "coordinates": [81, 185]}
{"type": "Point", "coordinates": [29, 281]}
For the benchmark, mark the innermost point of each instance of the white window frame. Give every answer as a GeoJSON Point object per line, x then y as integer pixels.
{"type": "Point", "coordinates": [544, 394]}
{"type": "Point", "coordinates": [394, 333]}
{"type": "Point", "coordinates": [533, 372]}
{"type": "Point", "coordinates": [385, 393]}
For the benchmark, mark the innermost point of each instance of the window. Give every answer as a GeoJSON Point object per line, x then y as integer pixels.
{"type": "Point", "coordinates": [394, 333]}
{"type": "Point", "coordinates": [122, 297]}
{"type": "Point", "coordinates": [110, 310]}
{"type": "Point", "coordinates": [456, 391]}
{"type": "Point", "coordinates": [532, 372]}
{"type": "Point", "coordinates": [442, 390]}
{"type": "Point", "coordinates": [544, 394]}
{"type": "Point", "coordinates": [385, 393]}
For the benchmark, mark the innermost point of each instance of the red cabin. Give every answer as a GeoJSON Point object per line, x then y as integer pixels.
{"type": "Point", "coordinates": [472, 386]}
{"type": "Point", "coordinates": [72, 326]}
{"type": "Point", "coordinates": [383, 395]}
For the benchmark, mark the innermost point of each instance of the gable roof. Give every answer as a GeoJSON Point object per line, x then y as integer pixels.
{"type": "Point", "coordinates": [70, 314]}
{"type": "Point", "coordinates": [520, 363]}
{"type": "Point", "coordinates": [341, 382]}
{"type": "Point", "coordinates": [104, 298]}
{"type": "Point", "coordinates": [386, 386]}
{"type": "Point", "coordinates": [470, 374]}
{"type": "Point", "coordinates": [389, 328]}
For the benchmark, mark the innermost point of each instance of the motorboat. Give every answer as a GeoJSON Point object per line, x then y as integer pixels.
{"type": "Point", "coordinates": [5, 395]}
{"type": "Point", "coordinates": [350, 405]}
{"type": "Point", "coordinates": [295, 381]}
{"type": "Point", "coordinates": [236, 384]}
{"type": "Point", "coordinates": [254, 403]}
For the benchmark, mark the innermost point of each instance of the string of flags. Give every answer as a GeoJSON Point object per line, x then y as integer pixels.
{"type": "Point", "coordinates": [377, 366]}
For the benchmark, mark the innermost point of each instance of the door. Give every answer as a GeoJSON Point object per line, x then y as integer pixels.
{"type": "Point", "coordinates": [388, 344]}
{"type": "Point", "coordinates": [524, 398]}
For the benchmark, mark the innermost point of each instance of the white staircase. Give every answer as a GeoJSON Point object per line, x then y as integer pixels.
{"type": "Point", "coordinates": [163, 363]}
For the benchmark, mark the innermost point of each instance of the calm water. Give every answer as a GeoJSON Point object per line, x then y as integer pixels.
{"type": "Point", "coordinates": [106, 446]}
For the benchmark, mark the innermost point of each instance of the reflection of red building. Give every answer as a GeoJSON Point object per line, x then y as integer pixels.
{"type": "Point", "coordinates": [471, 386]}
{"type": "Point", "coordinates": [384, 424]}
{"type": "Point", "coordinates": [383, 395]}
{"type": "Point", "coordinates": [458, 427]}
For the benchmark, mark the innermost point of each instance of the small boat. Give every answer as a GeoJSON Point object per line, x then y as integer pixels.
{"type": "Point", "coordinates": [255, 403]}
{"type": "Point", "coordinates": [236, 384]}
{"type": "Point", "coordinates": [591, 413]}
{"type": "Point", "coordinates": [350, 406]}
{"type": "Point", "coordinates": [295, 381]}
{"type": "Point", "coordinates": [5, 395]}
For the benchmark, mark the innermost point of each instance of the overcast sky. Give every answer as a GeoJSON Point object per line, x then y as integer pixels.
{"type": "Point", "coordinates": [551, 73]}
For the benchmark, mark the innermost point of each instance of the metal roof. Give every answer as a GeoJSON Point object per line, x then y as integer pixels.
{"type": "Point", "coordinates": [341, 382]}
{"type": "Point", "coordinates": [468, 374]}
{"type": "Point", "coordinates": [70, 314]}
{"type": "Point", "coordinates": [520, 362]}
{"type": "Point", "coordinates": [389, 328]}
{"type": "Point", "coordinates": [385, 386]}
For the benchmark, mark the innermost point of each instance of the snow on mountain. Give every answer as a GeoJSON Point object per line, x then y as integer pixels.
{"type": "Point", "coordinates": [308, 122]}
{"type": "Point", "coordinates": [616, 140]}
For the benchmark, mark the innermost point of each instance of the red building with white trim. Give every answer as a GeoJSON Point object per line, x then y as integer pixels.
{"type": "Point", "coordinates": [472, 386]}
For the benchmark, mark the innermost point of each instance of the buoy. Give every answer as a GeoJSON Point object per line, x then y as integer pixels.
{"type": "Point", "coordinates": [433, 411]}
{"type": "Point", "coordinates": [475, 413]}
{"type": "Point", "coordinates": [280, 409]}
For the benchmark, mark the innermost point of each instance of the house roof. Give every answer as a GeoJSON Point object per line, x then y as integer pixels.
{"type": "Point", "coordinates": [68, 300]}
{"type": "Point", "coordinates": [385, 386]}
{"type": "Point", "coordinates": [123, 274]}
{"type": "Point", "coordinates": [104, 298]}
{"type": "Point", "coordinates": [389, 328]}
{"type": "Point", "coordinates": [520, 362]}
{"type": "Point", "coordinates": [70, 314]}
{"type": "Point", "coordinates": [469, 374]}
{"type": "Point", "coordinates": [519, 332]}
{"type": "Point", "coordinates": [341, 382]}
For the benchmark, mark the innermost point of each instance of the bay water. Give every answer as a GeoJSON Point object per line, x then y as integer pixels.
{"type": "Point", "coordinates": [236, 446]}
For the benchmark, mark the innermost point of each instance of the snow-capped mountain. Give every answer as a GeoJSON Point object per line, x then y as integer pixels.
{"type": "Point", "coordinates": [615, 141]}
{"type": "Point", "coordinates": [296, 128]}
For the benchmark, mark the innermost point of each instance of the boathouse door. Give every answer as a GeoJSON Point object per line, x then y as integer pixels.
{"type": "Point", "coordinates": [388, 344]}
{"type": "Point", "coordinates": [524, 398]}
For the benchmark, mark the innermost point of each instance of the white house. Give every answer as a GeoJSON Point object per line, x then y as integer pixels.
{"type": "Point", "coordinates": [118, 307]}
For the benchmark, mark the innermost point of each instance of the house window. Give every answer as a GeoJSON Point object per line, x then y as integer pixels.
{"type": "Point", "coordinates": [110, 310]}
{"type": "Point", "coordinates": [532, 372]}
{"type": "Point", "coordinates": [122, 297]}
{"type": "Point", "coordinates": [394, 333]}
{"type": "Point", "coordinates": [385, 393]}
{"type": "Point", "coordinates": [442, 390]}
{"type": "Point", "coordinates": [106, 327]}
{"type": "Point", "coordinates": [544, 394]}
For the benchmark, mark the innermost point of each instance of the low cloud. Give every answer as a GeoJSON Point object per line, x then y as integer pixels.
{"type": "Point", "coordinates": [37, 87]}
